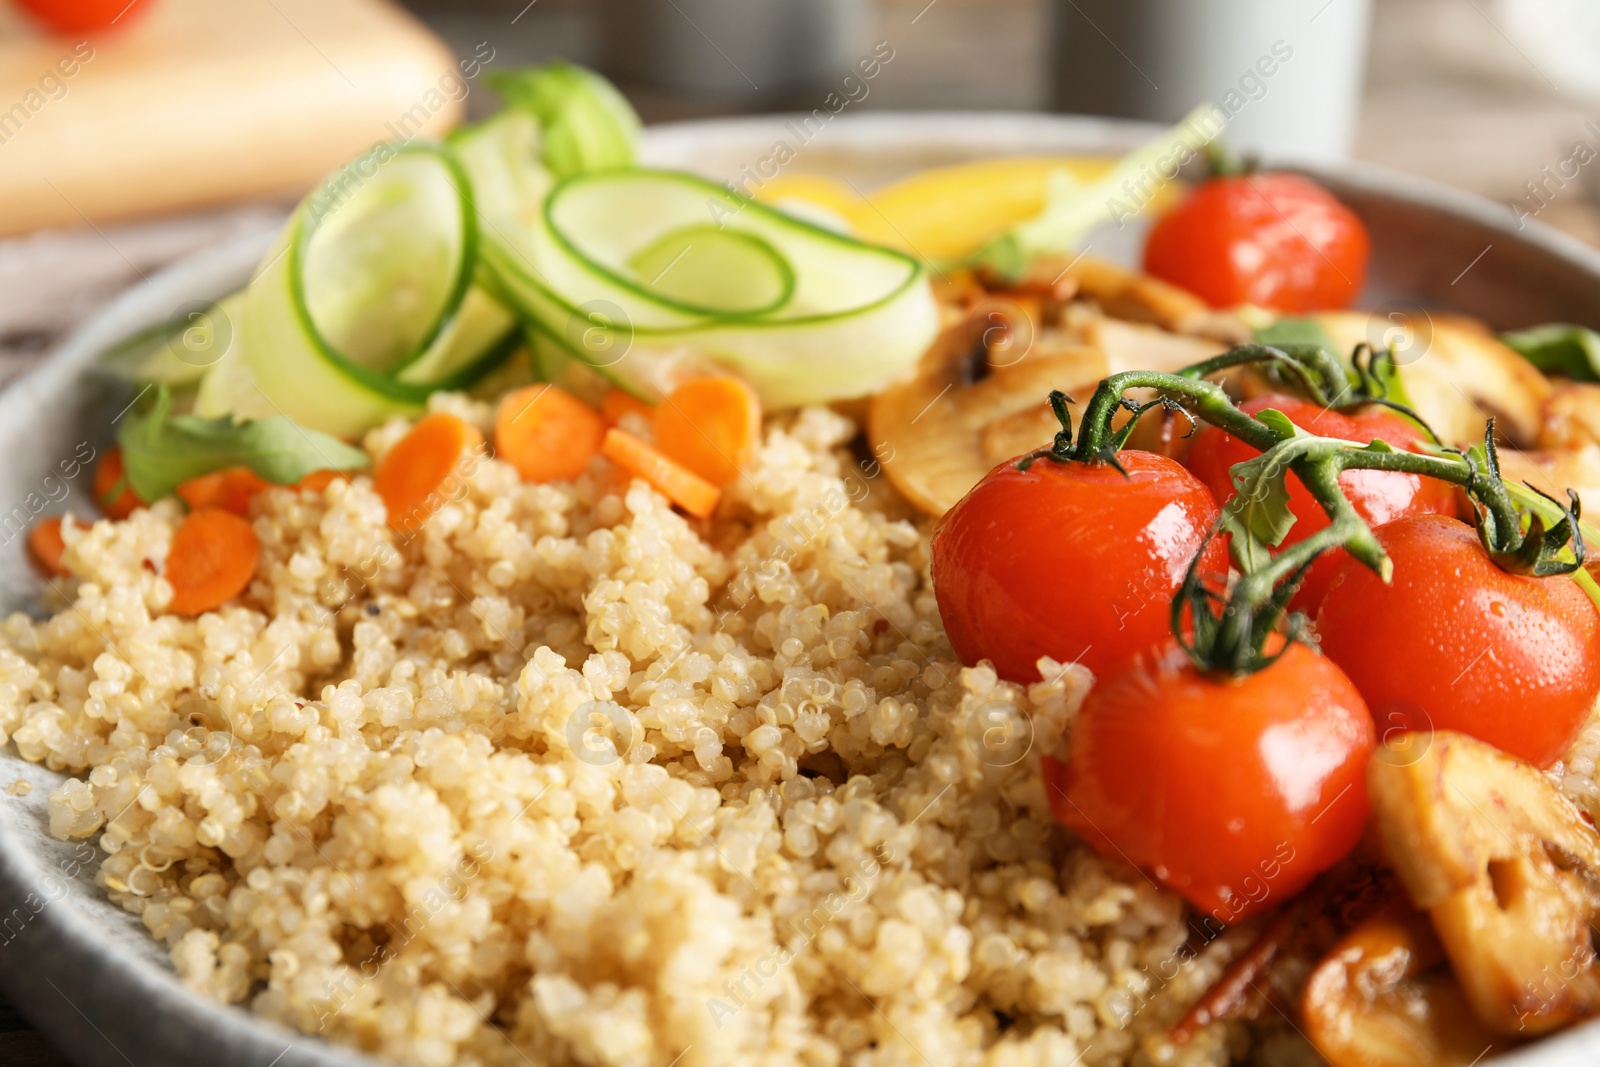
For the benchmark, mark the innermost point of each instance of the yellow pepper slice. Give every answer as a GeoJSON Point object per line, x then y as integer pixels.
{"type": "Point", "coordinates": [945, 213]}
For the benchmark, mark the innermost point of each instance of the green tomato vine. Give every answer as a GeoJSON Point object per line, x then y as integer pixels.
{"type": "Point", "coordinates": [1524, 531]}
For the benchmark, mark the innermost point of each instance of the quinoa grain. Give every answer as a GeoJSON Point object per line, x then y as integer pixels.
{"type": "Point", "coordinates": [569, 779]}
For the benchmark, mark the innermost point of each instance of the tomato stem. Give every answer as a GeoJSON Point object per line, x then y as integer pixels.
{"type": "Point", "coordinates": [1200, 398]}
{"type": "Point", "coordinates": [1232, 634]}
{"type": "Point", "coordinates": [1319, 374]}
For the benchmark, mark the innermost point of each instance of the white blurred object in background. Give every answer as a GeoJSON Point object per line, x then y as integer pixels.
{"type": "Point", "coordinates": [1559, 38]}
{"type": "Point", "coordinates": [745, 54]}
{"type": "Point", "coordinates": [1288, 72]}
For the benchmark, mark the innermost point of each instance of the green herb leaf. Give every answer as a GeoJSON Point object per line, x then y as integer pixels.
{"type": "Point", "coordinates": [1295, 331]}
{"type": "Point", "coordinates": [161, 450]}
{"type": "Point", "coordinates": [1559, 348]}
{"type": "Point", "coordinates": [1258, 517]}
{"type": "Point", "coordinates": [587, 124]}
{"type": "Point", "coordinates": [1278, 423]}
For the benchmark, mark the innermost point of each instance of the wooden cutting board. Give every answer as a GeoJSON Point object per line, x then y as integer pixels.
{"type": "Point", "coordinates": [201, 102]}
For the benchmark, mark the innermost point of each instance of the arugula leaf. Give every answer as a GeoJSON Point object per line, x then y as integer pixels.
{"type": "Point", "coordinates": [1295, 331]}
{"type": "Point", "coordinates": [1559, 348]}
{"type": "Point", "coordinates": [161, 450]}
{"type": "Point", "coordinates": [1258, 518]}
{"type": "Point", "coordinates": [1279, 423]}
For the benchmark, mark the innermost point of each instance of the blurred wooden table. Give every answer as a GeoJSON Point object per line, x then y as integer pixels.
{"type": "Point", "coordinates": [1449, 97]}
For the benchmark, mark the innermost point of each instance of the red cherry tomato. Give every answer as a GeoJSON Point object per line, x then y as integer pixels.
{"type": "Point", "coordinates": [1456, 643]}
{"type": "Point", "coordinates": [1070, 560]}
{"type": "Point", "coordinates": [1378, 496]}
{"type": "Point", "coordinates": [1234, 793]}
{"type": "Point", "coordinates": [84, 16]}
{"type": "Point", "coordinates": [1277, 240]}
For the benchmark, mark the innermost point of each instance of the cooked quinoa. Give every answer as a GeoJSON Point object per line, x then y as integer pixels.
{"type": "Point", "coordinates": [566, 778]}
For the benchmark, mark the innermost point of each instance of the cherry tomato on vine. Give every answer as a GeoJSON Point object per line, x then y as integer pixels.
{"type": "Point", "coordinates": [1076, 561]}
{"type": "Point", "coordinates": [1456, 643]}
{"type": "Point", "coordinates": [1234, 792]}
{"type": "Point", "coordinates": [1378, 496]}
{"type": "Point", "coordinates": [84, 16]}
{"type": "Point", "coordinates": [1277, 240]}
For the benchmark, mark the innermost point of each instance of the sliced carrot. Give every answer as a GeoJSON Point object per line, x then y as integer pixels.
{"type": "Point", "coordinates": [230, 489]}
{"type": "Point", "coordinates": [548, 434]}
{"type": "Point", "coordinates": [676, 482]}
{"type": "Point", "coordinates": [425, 468]}
{"type": "Point", "coordinates": [711, 426]}
{"type": "Point", "coordinates": [617, 403]}
{"type": "Point", "coordinates": [111, 489]}
{"type": "Point", "coordinates": [212, 558]}
{"type": "Point", "coordinates": [46, 546]}
{"type": "Point", "coordinates": [317, 481]}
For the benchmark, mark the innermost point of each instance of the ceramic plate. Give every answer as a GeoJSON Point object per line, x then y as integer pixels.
{"type": "Point", "coordinates": [88, 974]}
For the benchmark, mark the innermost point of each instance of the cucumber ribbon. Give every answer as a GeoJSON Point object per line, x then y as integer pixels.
{"type": "Point", "coordinates": [424, 266]}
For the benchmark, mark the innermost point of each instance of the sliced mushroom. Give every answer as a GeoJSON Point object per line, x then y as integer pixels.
{"type": "Point", "coordinates": [1382, 997]}
{"type": "Point", "coordinates": [1131, 295]}
{"type": "Point", "coordinates": [1457, 372]}
{"type": "Point", "coordinates": [1568, 455]}
{"type": "Point", "coordinates": [1571, 417]}
{"type": "Point", "coordinates": [975, 401]}
{"type": "Point", "coordinates": [1554, 472]}
{"type": "Point", "coordinates": [1506, 868]}
{"type": "Point", "coordinates": [1137, 346]}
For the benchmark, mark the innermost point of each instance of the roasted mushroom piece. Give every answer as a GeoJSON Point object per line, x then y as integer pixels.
{"type": "Point", "coordinates": [1136, 345]}
{"type": "Point", "coordinates": [1457, 373]}
{"type": "Point", "coordinates": [1571, 416]}
{"type": "Point", "coordinates": [1505, 867]}
{"type": "Point", "coordinates": [979, 397]}
{"type": "Point", "coordinates": [1568, 452]}
{"type": "Point", "coordinates": [980, 394]}
{"type": "Point", "coordinates": [1132, 296]}
{"type": "Point", "coordinates": [1554, 471]}
{"type": "Point", "coordinates": [1383, 997]}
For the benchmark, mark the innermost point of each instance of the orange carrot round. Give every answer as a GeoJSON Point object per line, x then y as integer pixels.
{"type": "Point", "coordinates": [111, 489]}
{"type": "Point", "coordinates": [213, 557]}
{"type": "Point", "coordinates": [426, 468]}
{"type": "Point", "coordinates": [548, 434]}
{"type": "Point", "coordinates": [231, 489]}
{"type": "Point", "coordinates": [46, 546]}
{"type": "Point", "coordinates": [711, 426]}
{"type": "Point", "coordinates": [617, 403]}
{"type": "Point", "coordinates": [676, 482]}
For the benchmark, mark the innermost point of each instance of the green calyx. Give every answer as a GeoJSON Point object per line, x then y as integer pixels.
{"type": "Point", "coordinates": [1224, 162]}
{"type": "Point", "coordinates": [1524, 530]}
